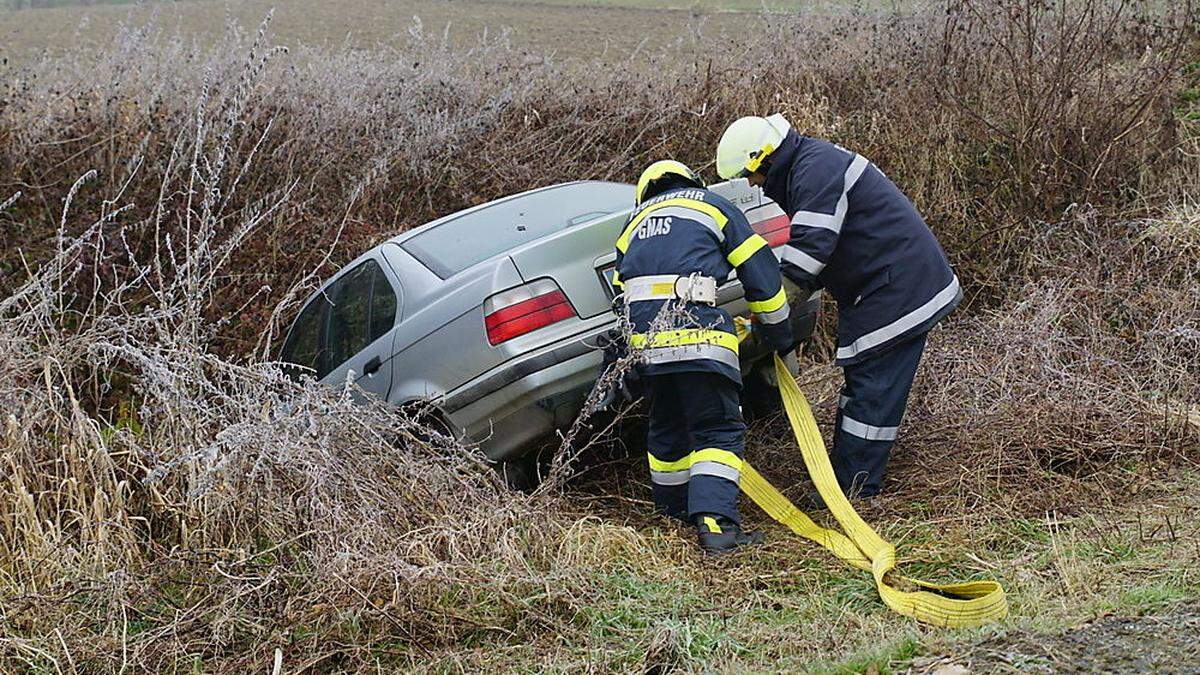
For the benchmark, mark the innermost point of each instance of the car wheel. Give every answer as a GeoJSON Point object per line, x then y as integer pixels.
{"type": "Point", "coordinates": [519, 474]}
{"type": "Point", "coordinates": [429, 424]}
{"type": "Point", "coordinates": [526, 472]}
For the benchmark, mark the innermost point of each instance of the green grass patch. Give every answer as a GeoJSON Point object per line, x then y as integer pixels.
{"type": "Point", "coordinates": [894, 657]}
{"type": "Point", "coordinates": [1153, 596]}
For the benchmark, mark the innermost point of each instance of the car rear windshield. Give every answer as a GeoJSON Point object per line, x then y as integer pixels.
{"type": "Point", "coordinates": [471, 238]}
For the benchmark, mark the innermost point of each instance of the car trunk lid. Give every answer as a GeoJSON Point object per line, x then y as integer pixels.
{"type": "Point", "coordinates": [577, 259]}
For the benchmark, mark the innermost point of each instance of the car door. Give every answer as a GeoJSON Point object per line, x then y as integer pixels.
{"type": "Point", "coordinates": [364, 304]}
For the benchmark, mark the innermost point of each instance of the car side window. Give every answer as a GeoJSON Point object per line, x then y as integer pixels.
{"type": "Point", "coordinates": [364, 308]}
{"type": "Point", "coordinates": [351, 313]}
{"type": "Point", "coordinates": [303, 346]}
{"type": "Point", "coordinates": [383, 305]}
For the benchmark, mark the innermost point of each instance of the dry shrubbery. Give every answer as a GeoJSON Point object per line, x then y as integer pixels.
{"type": "Point", "coordinates": [1083, 381]}
{"type": "Point", "coordinates": [219, 493]}
{"type": "Point", "coordinates": [1081, 386]}
{"type": "Point", "coordinates": [988, 115]}
{"type": "Point", "coordinates": [168, 495]}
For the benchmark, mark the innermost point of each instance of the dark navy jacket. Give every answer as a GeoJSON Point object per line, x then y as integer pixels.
{"type": "Point", "coordinates": [692, 230]}
{"type": "Point", "coordinates": [856, 234]}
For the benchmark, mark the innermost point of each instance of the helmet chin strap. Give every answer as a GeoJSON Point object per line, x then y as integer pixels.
{"type": "Point", "coordinates": [747, 142]}
{"type": "Point", "coordinates": [759, 157]}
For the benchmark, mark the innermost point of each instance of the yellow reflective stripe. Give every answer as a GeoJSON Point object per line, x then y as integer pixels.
{"type": "Point", "coordinates": [696, 204]}
{"type": "Point", "coordinates": [745, 249]}
{"type": "Point", "coordinates": [617, 279]}
{"type": "Point", "coordinates": [719, 456]}
{"type": "Point", "coordinates": [711, 524]}
{"type": "Point", "coordinates": [657, 464]}
{"type": "Point", "coordinates": [706, 455]}
{"type": "Point", "coordinates": [685, 337]}
{"type": "Point", "coordinates": [770, 305]}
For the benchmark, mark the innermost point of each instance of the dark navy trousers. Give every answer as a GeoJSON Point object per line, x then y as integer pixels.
{"type": "Point", "coordinates": [695, 443]}
{"type": "Point", "coordinates": [869, 415]}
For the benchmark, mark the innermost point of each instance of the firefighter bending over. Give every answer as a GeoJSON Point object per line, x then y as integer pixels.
{"type": "Point", "coordinates": [856, 235]}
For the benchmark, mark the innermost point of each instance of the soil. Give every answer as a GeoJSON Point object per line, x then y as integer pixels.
{"type": "Point", "coordinates": [1161, 643]}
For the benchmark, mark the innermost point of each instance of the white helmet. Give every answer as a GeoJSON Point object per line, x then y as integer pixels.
{"type": "Point", "coordinates": [747, 142]}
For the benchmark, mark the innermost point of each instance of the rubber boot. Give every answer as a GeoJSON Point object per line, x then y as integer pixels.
{"type": "Point", "coordinates": [720, 535]}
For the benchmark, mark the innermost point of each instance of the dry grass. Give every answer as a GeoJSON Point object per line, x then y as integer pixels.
{"type": "Point", "coordinates": [171, 501]}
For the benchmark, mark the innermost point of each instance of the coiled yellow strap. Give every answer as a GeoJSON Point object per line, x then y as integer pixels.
{"type": "Point", "coordinates": [965, 604]}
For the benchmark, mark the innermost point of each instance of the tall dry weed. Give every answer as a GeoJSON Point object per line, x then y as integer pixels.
{"type": "Point", "coordinates": [989, 115]}
{"type": "Point", "coordinates": [146, 474]}
{"type": "Point", "coordinates": [168, 495]}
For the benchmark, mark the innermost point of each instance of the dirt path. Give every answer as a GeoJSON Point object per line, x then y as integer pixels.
{"type": "Point", "coordinates": [1162, 643]}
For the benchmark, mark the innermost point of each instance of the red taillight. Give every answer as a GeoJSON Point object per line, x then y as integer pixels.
{"type": "Point", "coordinates": [776, 229]}
{"type": "Point", "coordinates": [523, 310]}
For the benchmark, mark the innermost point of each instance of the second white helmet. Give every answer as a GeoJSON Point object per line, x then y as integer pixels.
{"type": "Point", "coordinates": [747, 142]}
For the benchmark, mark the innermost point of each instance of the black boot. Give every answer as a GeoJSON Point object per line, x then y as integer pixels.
{"type": "Point", "coordinates": [719, 534]}
{"type": "Point", "coordinates": [679, 516]}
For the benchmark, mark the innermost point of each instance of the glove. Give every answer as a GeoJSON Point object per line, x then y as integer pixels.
{"type": "Point", "coordinates": [626, 389]}
{"type": "Point", "coordinates": [612, 396]}
{"type": "Point", "coordinates": [615, 348]}
{"type": "Point", "coordinates": [777, 336]}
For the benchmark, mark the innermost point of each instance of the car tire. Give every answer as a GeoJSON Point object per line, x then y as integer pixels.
{"type": "Point", "coordinates": [519, 474]}
{"type": "Point", "coordinates": [430, 424]}
{"type": "Point", "coordinates": [525, 473]}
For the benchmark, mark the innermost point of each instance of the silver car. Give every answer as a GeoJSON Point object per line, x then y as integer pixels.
{"type": "Point", "coordinates": [493, 314]}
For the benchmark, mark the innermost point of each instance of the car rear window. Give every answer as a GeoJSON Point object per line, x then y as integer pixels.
{"type": "Point", "coordinates": [471, 238]}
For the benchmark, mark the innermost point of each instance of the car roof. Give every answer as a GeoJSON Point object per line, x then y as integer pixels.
{"type": "Point", "coordinates": [511, 200]}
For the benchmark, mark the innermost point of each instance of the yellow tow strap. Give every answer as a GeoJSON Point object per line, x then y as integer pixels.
{"type": "Point", "coordinates": [956, 605]}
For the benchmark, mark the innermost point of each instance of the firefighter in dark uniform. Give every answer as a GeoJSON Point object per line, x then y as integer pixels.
{"type": "Point", "coordinates": [680, 242]}
{"type": "Point", "coordinates": [856, 235]}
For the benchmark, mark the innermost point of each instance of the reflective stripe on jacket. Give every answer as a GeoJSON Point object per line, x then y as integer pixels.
{"type": "Point", "coordinates": [694, 231]}
{"type": "Point", "coordinates": [856, 234]}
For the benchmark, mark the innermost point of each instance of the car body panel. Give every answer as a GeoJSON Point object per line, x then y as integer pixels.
{"type": "Point", "coordinates": [542, 391]}
{"type": "Point", "coordinates": [508, 396]}
{"type": "Point", "coordinates": [377, 383]}
{"type": "Point", "coordinates": [438, 345]}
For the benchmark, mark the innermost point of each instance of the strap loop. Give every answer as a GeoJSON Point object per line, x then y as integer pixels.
{"type": "Point", "coordinates": [972, 603]}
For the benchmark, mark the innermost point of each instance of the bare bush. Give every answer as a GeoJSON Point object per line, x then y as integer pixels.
{"type": "Point", "coordinates": [991, 114]}
{"type": "Point", "coordinates": [222, 482]}
{"type": "Point", "coordinates": [1083, 382]}
{"type": "Point", "coordinates": [169, 494]}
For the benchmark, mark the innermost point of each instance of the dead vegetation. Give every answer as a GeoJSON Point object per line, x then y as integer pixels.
{"type": "Point", "coordinates": [171, 501]}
